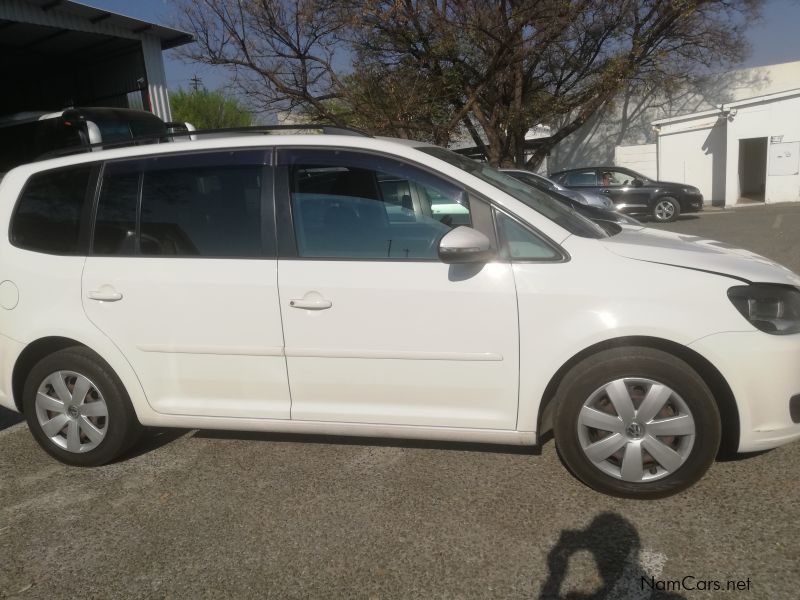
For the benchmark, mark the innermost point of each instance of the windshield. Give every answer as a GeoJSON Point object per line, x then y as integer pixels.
{"type": "Point", "coordinates": [536, 199]}
{"type": "Point", "coordinates": [638, 176]}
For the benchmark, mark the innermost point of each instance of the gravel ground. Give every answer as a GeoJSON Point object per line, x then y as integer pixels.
{"type": "Point", "coordinates": [217, 514]}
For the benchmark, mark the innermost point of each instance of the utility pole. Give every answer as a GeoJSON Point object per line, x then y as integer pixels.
{"type": "Point", "coordinates": [196, 82]}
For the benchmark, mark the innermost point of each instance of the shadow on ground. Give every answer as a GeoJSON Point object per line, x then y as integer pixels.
{"type": "Point", "coordinates": [615, 546]}
{"type": "Point", "coordinates": [363, 441]}
{"type": "Point", "coordinates": [153, 439]}
{"type": "Point", "coordinates": [9, 418]}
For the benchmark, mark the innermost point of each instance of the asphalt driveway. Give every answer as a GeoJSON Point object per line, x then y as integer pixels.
{"type": "Point", "coordinates": [216, 514]}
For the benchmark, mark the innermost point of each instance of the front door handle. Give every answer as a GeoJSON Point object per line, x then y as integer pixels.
{"type": "Point", "coordinates": [105, 294]}
{"type": "Point", "coordinates": [316, 303]}
{"type": "Point", "coordinates": [606, 191]}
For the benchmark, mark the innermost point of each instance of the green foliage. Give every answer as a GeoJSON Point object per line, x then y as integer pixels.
{"type": "Point", "coordinates": [209, 109]}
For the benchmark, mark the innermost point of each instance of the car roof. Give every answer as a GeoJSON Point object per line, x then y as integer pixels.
{"type": "Point", "coordinates": [88, 112]}
{"type": "Point", "coordinates": [20, 118]}
{"type": "Point", "coordinates": [211, 143]}
{"type": "Point", "coordinates": [593, 168]}
{"type": "Point", "coordinates": [524, 172]}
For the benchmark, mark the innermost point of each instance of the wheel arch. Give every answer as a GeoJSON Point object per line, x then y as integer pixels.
{"type": "Point", "coordinates": [32, 354]}
{"type": "Point", "coordinates": [723, 395]}
{"type": "Point", "coordinates": [43, 346]}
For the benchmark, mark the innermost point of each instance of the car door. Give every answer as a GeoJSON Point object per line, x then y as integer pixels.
{"type": "Point", "coordinates": [378, 329]}
{"type": "Point", "coordinates": [619, 186]}
{"type": "Point", "coordinates": [182, 276]}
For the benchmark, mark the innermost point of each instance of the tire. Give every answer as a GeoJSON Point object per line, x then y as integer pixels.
{"type": "Point", "coordinates": [666, 209]}
{"type": "Point", "coordinates": [98, 427]}
{"type": "Point", "coordinates": [590, 394]}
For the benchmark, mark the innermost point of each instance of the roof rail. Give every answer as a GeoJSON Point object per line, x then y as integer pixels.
{"type": "Point", "coordinates": [175, 131]}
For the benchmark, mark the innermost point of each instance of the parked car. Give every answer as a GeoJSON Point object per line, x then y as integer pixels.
{"type": "Point", "coordinates": [575, 200]}
{"type": "Point", "coordinates": [585, 197]}
{"type": "Point", "coordinates": [634, 193]}
{"type": "Point", "coordinates": [24, 137]}
{"type": "Point", "coordinates": [308, 284]}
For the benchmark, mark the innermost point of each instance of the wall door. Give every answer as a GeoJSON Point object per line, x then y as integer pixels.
{"type": "Point", "coordinates": [186, 287]}
{"type": "Point", "coordinates": [377, 329]}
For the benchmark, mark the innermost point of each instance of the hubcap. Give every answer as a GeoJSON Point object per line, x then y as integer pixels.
{"type": "Point", "coordinates": [71, 411]}
{"type": "Point", "coordinates": [664, 210]}
{"type": "Point", "coordinates": [636, 429]}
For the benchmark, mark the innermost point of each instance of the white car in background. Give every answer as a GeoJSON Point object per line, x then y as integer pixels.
{"type": "Point", "coordinates": [358, 286]}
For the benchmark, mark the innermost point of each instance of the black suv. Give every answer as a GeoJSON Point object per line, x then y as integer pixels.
{"type": "Point", "coordinates": [635, 193]}
{"type": "Point", "coordinates": [25, 137]}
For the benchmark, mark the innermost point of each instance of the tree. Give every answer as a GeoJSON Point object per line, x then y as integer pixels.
{"type": "Point", "coordinates": [432, 69]}
{"type": "Point", "coordinates": [209, 109]}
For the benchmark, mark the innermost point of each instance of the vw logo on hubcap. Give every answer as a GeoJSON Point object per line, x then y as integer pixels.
{"type": "Point", "coordinates": [635, 431]}
{"type": "Point", "coordinates": [72, 411]}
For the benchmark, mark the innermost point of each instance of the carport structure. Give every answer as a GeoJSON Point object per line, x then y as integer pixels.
{"type": "Point", "coordinates": [58, 53]}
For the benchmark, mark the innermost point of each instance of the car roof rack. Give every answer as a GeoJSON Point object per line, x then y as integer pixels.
{"type": "Point", "coordinates": [173, 132]}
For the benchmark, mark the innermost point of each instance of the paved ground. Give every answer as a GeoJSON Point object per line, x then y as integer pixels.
{"type": "Point", "coordinates": [215, 515]}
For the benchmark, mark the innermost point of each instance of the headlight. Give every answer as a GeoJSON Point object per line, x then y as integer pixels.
{"type": "Point", "coordinates": [772, 308]}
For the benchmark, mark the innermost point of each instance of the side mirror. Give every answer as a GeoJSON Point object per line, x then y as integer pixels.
{"type": "Point", "coordinates": [637, 183]}
{"type": "Point", "coordinates": [465, 245]}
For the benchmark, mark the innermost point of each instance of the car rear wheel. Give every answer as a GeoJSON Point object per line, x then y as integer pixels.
{"type": "Point", "coordinates": [636, 422]}
{"type": "Point", "coordinates": [78, 410]}
{"type": "Point", "coordinates": [666, 210]}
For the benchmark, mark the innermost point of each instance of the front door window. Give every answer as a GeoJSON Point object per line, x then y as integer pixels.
{"type": "Point", "coordinates": [361, 207]}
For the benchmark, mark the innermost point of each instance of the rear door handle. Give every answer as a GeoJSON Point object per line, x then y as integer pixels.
{"type": "Point", "coordinates": [311, 303]}
{"type": "Point", "coordinates": [606, 191]}
{"type": "Point", "coordinates": [105, 294]}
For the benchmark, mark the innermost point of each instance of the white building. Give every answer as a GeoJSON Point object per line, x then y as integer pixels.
{"type": "Point", "coordinates": [59, 53]}
{"type": "Point", "coordinates": [741, 152]}
{"type": "Point", "coordinates": [700, 135]}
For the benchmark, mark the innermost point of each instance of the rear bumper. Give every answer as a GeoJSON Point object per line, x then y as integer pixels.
{"type": "Point", "coordinates": [763, 372]}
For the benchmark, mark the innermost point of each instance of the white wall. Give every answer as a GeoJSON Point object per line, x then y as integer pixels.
{"type": "Point", "coordinates": [693, 152]}
{"type": "Point", "coordinates": [641, 158]}
{"type": "Point", "coordinates": [628, 119]}
{"type": "Point", "coordinates": [772, 119]}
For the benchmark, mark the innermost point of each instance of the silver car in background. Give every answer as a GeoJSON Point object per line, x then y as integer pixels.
{"type": "Point", "coordinates": [541, 182]}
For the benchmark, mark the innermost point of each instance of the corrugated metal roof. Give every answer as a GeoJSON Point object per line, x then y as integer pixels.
{"type": "Point", "coordinates": [68, 15]}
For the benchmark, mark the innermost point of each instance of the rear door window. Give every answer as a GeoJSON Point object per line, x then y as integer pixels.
{"type": "Point", "coordinates": [115, 221]}
{"type": "Point", "coordinates": [205, 205]}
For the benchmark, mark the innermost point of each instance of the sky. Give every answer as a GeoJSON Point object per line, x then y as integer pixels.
{"type": "Point", "coordinates": [773, 38]}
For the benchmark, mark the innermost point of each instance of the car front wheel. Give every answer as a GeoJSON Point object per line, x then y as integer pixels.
{"type": "Point", "coordinates": [636, 422]}
{"type": "Point", "coordinates": [666, 210]}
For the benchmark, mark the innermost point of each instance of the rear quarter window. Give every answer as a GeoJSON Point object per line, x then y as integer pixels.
{"type": "Point", "coordinates": [48, 214]}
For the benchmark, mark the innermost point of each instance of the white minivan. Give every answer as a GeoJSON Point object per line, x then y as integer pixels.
{"type": "Point", "coordinates": [359, 286]}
